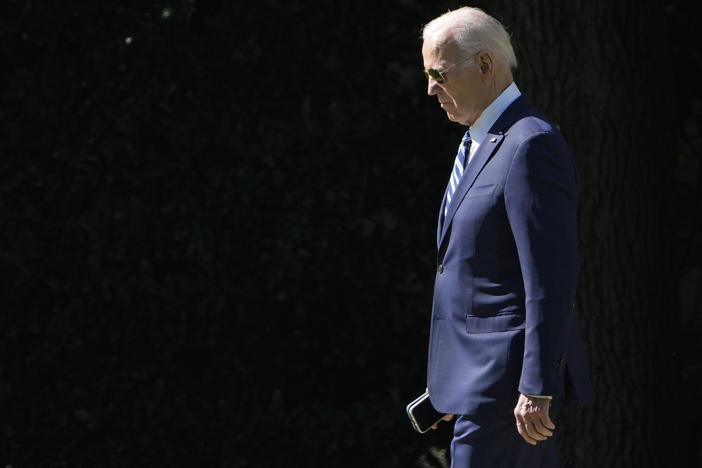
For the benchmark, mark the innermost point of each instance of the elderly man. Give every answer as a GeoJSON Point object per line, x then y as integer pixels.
{"type": "Point", "coordinates": [504, 349]}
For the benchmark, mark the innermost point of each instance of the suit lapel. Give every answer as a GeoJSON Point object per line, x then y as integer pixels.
{"type": "Point", "coordinates": [440, 223]}
{"type": "Point", "coordinates": [476, 164]}
{"type": "Point", "coordinates": [490, 144]}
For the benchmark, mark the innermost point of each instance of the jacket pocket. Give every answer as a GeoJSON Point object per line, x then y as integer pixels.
{"type": "Point", "coordinates": [494, 323]}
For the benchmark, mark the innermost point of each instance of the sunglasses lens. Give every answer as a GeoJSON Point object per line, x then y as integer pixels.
{"type": "Point", "coordinates": [434, 74]}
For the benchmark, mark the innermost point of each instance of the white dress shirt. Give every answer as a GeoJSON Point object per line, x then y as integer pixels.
{"type": "Point", "coordinates": [479, 129]}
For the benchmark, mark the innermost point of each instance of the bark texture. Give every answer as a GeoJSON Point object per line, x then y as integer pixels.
{"type": "Point", "coordinates": [590, 66]}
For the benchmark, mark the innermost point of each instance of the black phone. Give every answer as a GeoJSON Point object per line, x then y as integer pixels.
{"type": "Point", "coordinates": [422, 413]}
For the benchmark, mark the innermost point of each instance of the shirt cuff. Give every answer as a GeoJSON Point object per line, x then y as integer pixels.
{"type": "Point", "coordinates": [540, 396]}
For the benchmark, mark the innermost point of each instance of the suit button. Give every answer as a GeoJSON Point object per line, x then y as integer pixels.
{"type": "Point", "coordinates": [440, 268]}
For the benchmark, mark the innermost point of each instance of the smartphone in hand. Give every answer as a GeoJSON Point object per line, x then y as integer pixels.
{"type": "Point", "coordinates": [422, 414]}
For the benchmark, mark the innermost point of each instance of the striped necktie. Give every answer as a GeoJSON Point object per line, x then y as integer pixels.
{"type": "Point", "coordinates": [457, 172]}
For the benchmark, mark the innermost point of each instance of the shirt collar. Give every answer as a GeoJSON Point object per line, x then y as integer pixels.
{"type": "Point", "coordinates": [487, 119]}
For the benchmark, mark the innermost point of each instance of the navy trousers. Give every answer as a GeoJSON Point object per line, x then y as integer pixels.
{"type": "Point", "coordinates": [492, 441]}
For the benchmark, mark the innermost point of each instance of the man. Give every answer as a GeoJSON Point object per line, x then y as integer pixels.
{"type": "Point", "coordinates": [504, 349]}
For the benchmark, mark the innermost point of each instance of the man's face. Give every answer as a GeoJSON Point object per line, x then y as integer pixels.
{"type": "Point", "coordinates": [464, 94]}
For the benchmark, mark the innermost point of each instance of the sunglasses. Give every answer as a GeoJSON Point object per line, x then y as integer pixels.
{"type": "Point", "coordinates": [440, 76]}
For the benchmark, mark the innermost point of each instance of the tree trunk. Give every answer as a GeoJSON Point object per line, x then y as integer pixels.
{"type": "Point", "coordinates": [588, 65]}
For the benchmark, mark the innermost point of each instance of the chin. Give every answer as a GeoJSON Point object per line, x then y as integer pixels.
{"type": "Point", "coordinates": [455, 118]}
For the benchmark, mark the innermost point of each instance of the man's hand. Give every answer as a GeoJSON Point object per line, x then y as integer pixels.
{"type": "Point", "coordinates": [447, 417]}
{"type": "Point", "coordinates": [533, 422]}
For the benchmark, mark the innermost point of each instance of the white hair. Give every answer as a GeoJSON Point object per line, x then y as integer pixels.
{"type": "Point", "coordinates": [473, 31]}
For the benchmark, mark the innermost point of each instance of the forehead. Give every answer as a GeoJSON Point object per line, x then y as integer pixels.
{"type": "Point", "coordinates": [440, 50]}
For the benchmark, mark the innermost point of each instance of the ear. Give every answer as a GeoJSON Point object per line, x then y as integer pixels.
{"type": "Point", "coordinates": [485, 63]}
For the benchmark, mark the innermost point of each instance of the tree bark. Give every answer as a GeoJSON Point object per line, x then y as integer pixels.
{"type": "Point", "coordinates": [589, 66]}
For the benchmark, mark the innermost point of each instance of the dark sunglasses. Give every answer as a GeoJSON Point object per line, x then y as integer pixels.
{"type": "Point", "coordinates": [440, 76]}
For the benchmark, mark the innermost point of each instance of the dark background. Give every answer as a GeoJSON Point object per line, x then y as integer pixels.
{"type": "Point", "coordinates": [217, 228]}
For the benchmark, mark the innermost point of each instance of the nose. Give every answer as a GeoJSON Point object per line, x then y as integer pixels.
{"type": "Point", "coordinates": [432, 87]}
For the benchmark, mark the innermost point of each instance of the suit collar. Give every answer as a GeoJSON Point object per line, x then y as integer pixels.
{"type": "Point", "coordinates": [510, 115]}
{"type": "Point", "coordinates": [490, 115]}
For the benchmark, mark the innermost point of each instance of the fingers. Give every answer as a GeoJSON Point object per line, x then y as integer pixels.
{"type": "Point", "coordinates": [540, 424]}
{"type": "Point", "coordinates": [546, 419]}
{"type": "Point", "coordinates": [532, 432]}
{"type": "Point", "coordinates": [537, 430]}
{"type": "Point", "coordinates": [446, 417]}
{"type": "Point", "coordinates": [522, 429]}
{"type": "Point", "coordinates": [533, 421]}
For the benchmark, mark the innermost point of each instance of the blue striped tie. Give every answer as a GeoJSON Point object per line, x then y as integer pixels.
{"type": "Point", "coordinates": [457, 172]}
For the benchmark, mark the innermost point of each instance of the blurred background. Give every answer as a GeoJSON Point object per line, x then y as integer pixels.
{"type": "Point", "coordinates": [217, 228]}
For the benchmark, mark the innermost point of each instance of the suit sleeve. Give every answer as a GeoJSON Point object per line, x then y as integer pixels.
{"type": "Point", "coordinates": [541, 203]}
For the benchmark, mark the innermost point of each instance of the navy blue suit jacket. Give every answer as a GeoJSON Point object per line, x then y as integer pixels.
{"type": "Point", "coordinates": [503, 318]}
